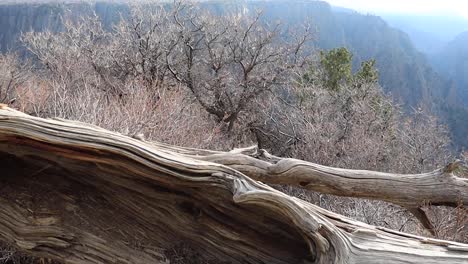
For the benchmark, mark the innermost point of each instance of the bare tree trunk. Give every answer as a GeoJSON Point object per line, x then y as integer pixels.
{"type": "Point", "coordinates": [81, 194]}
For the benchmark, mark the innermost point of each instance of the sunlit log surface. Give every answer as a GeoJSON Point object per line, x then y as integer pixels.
{"type": "Point", "coordinates": [441, 187]}
{"type": "Point", "coordinates": [80, 194]}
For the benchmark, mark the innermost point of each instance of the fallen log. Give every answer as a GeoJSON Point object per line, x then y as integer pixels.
{"type": "Point", "coordinates": [80, 194]}
{"type": "Point", "coordinates": [441, 187]}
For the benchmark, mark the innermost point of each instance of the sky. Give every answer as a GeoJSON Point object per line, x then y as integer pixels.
{"type": "Point", "coordinates": [415, 7]}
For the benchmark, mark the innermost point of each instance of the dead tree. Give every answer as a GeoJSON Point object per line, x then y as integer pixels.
{"type": "Point", "coordinates": [81, 194]}
{"type": "Point", "coordinates": [228, 62]}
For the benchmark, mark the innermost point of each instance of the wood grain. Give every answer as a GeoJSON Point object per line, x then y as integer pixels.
{"type": "Point", "coordinates": [80, 194]}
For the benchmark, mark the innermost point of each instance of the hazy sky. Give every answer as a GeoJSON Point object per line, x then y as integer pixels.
{"type": "Point", "coordinates": [420, 7]}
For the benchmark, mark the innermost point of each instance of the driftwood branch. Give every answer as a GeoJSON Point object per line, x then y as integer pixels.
{"type": "Point", "coordinates": [81, 194]}
{"type": "Point", "coordinates": [440, 187]}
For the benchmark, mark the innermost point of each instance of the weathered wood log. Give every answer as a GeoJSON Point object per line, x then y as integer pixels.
{"type": "Point", "coordinates": [439, 188]}
{"type": "Point", "coordinates": [81, 194]}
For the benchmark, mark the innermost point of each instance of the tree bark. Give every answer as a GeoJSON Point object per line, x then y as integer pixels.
{"type": "Point", "coordinates": [80, 194]}
{"type": "Point", "coordinates": [439, 187]}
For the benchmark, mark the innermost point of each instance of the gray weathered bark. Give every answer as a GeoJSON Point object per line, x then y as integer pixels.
{"type": "Point", "coordinates": [412, 191]}
{"type": "Point", "coordinates": [81, 194]}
